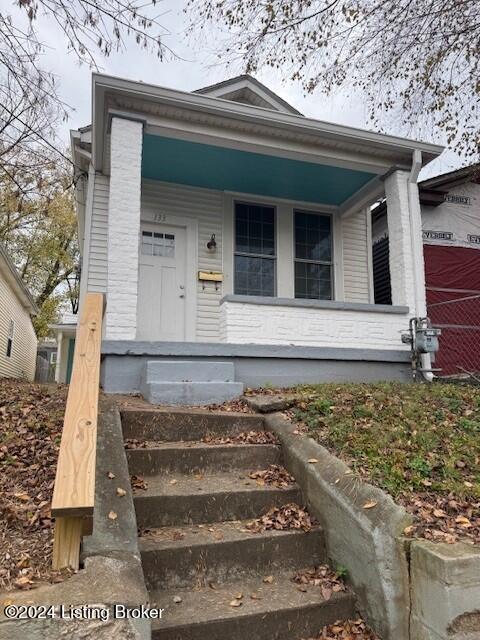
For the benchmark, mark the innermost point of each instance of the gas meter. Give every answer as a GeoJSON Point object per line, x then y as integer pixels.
{"type": "Point", "coordinates": [423, 338]}
{"type": "Point", "coordinates": [426, 339]}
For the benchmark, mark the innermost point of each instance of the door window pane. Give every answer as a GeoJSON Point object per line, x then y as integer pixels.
{"type": "Point", "coordinates": [254, 263]}
{"type": "Point", "coordinates": [158, 244]}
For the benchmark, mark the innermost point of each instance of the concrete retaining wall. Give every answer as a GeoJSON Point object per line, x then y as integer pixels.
{"type": "Point", "coordinates": [445, 591]}
{"type": "Point", "coordinates": [366, 541]}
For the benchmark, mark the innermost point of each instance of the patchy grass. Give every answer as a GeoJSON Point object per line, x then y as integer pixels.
{"type": "Point", "coordinates": [421, 443]}
{"type": "Point", "coordinates": [31, 418]}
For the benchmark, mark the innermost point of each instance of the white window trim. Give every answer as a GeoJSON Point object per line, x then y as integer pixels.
{"type": "Point", "coordinates": [285, 250]}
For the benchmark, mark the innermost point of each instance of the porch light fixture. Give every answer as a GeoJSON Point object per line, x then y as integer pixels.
{"type": "Point", "coordinates": [212, 243]}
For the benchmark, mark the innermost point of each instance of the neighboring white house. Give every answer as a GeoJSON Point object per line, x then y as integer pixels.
{"type": "Point", "coordinates": [224, 224]}
{"type": "Point", "coordinates": [18, 342]}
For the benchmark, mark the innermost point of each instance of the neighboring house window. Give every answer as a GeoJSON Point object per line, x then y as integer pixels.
{"type": "Point", "coordinates": [255, 251]}
{"type": "Point", "coordinates": [313, 256]}
{"type": "Point", "coordinates": [11, 330]}
{"type": "Point", "coordinates": [53, 357]}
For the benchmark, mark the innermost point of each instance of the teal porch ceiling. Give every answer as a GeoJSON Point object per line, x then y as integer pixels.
{"type": "Point", "coordinates": [204, 165]}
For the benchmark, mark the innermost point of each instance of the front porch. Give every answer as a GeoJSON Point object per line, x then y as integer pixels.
{"type": "Point", "coordinates": [203, 246]}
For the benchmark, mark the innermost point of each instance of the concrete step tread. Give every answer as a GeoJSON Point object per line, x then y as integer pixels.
{"type": "Point", "coordinates": [187, 536]}
{"type": "Point", "coordinates": [179, 484]}
{"type": "Point", "coordinates": [201, 458]}
{"type": "Point", "coordinates": [207, 605]}
{"type": "Point", "coordinates": [160, 423]}
{"type": "Point", "coordinates": [153, 445]}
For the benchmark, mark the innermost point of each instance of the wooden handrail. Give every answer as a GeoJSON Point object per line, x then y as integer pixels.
{"type": "Point", "coordinates": [74, 491]}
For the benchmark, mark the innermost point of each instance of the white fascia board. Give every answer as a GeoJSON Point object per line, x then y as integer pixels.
{"type": "Point", "coordinates": [103, 84]}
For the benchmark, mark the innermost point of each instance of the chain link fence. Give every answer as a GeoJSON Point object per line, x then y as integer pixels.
{"type": "Point", "coordinates": [459, 320]}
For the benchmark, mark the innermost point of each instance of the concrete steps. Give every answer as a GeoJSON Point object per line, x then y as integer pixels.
{"type": "Point", "coordinates": [179, 557]}
{"type": "Point", "coordinates": [175, 499]}
{"type": "Point", "coordinates": [167, 425]}
{"type": "Point", "coordinates": [197, 553]}
{"type": "Point", "coordinates": [197, 457]}
{"type": "Point", "coordinates": [279, 612]}
{"type": "Point", "coordinates": [189, 383]}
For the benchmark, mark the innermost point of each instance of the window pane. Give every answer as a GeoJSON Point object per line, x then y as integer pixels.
{"type": "Point", "coordinates": [313, 240]}
{"type": "Point", "coordinates": [313, 281]}
{"type": "Point", "coordinates": [254, 229]}
{"type": "Point", "coordinates": [254, 276]}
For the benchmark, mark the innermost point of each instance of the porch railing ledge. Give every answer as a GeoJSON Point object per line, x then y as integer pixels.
{"type": "Point", "coordinates": [337, 305]}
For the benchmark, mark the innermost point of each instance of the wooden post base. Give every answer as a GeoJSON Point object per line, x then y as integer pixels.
{"type": "Point", "coordinates": [66, 543]}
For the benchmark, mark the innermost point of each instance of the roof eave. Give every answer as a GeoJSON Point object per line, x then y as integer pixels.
{"type": "Point", "coordinates": [256, 115]}
{"type": "Point", "coordinates": [17, 284]}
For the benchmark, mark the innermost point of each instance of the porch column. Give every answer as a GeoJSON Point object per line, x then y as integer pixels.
{"type": "Point", "coordinates": [123, 229]}
{"type": "Point", "coordinates": [407, 269]}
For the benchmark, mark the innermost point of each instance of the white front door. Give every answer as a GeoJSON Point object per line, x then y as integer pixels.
{"type": "Point", "coordinates": [161, 285]}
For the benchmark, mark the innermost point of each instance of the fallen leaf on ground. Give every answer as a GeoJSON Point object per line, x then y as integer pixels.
{"type": "Point", "coordinates": [112, 515]}
{"type": "Point", "coordinates": [290, 516]}
{"type": "Point", "coordinates": [235, 603]}
{"type": "Point", "coordinates": [313, 460]}
{"type": "Point", "coordinates": [110, 475]}
{"type": "Point", "coordinates": [121, 492]}
{"type": "Point", "coordinates": [370, 504]}
{"type": "Point", "coordinates": [268, 579]}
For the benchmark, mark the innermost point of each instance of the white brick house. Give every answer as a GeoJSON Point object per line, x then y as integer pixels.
{"type": "Point", "coordinates": [222, 223]}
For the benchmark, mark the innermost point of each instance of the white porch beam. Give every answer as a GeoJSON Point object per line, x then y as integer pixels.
{"type": "Point", "coordinates": [123, 229]}
{"type": "Point", "coordinates": [364, 197]}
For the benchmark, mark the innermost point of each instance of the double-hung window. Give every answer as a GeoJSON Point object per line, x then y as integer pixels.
{"type": "Point", "coordinates": [255, 251]}
{"type": "Point", "coordinates": [313, 256]}
{"type": "Point", "coordinates": [11, 331]}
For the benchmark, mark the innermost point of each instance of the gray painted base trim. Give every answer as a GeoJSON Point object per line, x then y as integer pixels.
{"type": "Point", "coordinates": [227, 350]}
{"type": "Point", "coordinates": [123, 373]}
{"type": "Point", "coordinates": [337, 305]}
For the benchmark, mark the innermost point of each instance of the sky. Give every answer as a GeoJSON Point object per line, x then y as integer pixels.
{"type": "Point", "coordinates": [191, 70]}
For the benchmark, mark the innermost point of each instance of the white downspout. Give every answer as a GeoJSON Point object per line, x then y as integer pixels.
{"type": "Point", "coordinates": [417, 253]}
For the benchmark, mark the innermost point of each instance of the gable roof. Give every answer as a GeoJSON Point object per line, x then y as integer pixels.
{"type": "Point", "coordinates": [9, 272]}
{"type": "Point", "coordinates": [246, 89]}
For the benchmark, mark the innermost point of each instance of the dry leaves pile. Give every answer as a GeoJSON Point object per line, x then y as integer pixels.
{"type": "Point", "coordinates": [347, 630]}
{"type": "Point", "coordinates": [443, 518]}
{"type": "Point", "coordinates": [131, 443]}
{"type": "Point", "coordinates": [275, 475]}
{"type": "Point", "coordinates": [245, 437]}
{"type": "Point", "coordinates": [31, 418]}
{"type": "Point", "coordinates": [290, 516]}
{"type": "Point", "coordinates": [235, 406]}
{"type": "Point", "coordinates": [321, 576]}
{"type": "Point", "coordinates": [138, 483]}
